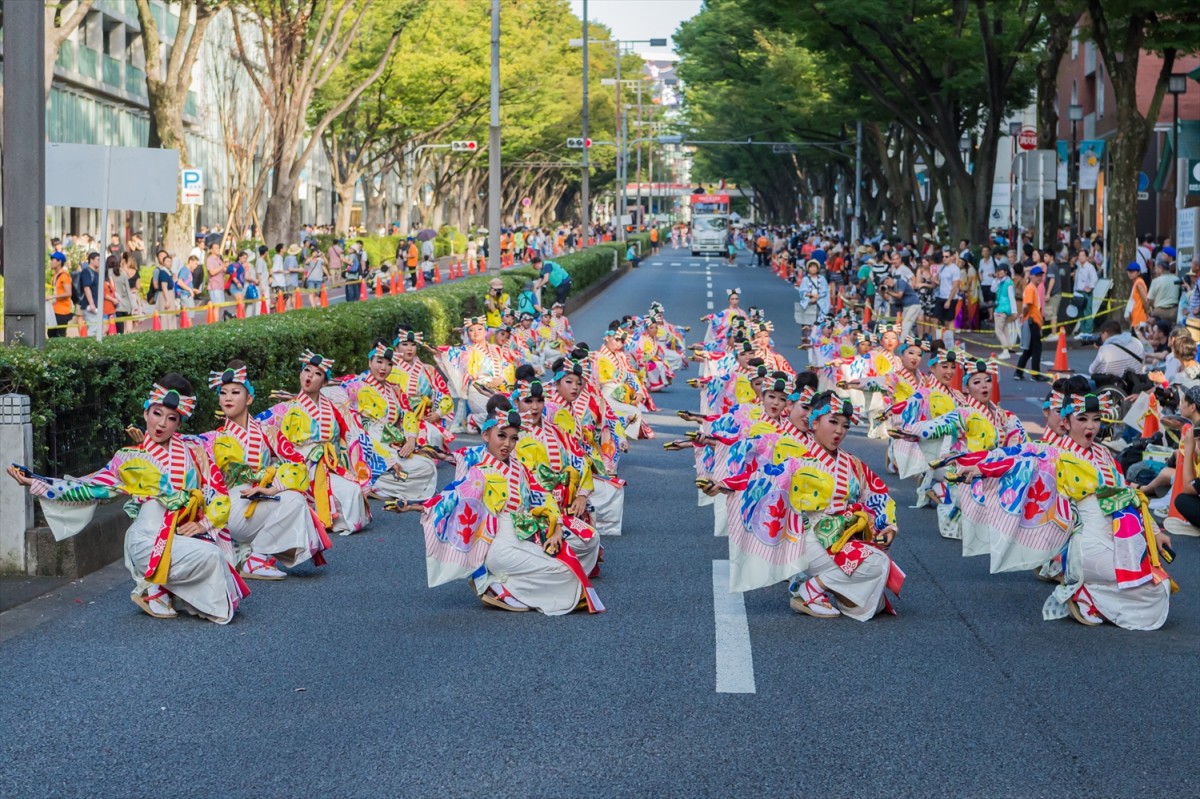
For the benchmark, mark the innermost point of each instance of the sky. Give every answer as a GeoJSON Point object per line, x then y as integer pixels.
{"type": "Point", "coordinates": [640, 19]}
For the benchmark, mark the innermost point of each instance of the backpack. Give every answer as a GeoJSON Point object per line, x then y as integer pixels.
{"type": "Point", "coordinates": [77, 287]}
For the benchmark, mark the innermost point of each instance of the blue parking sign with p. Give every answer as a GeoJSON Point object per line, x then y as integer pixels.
{"type": "Point", "coordinates": [191, 186]}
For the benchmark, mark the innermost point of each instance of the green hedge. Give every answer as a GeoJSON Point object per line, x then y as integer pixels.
{"type": "Point", "coordinates": [85, 392]}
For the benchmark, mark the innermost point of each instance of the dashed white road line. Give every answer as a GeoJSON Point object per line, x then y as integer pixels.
{"type": "Point", "coordinates": [710, 295]}
{"type": "Point", "coordinates": [735, 660]}
{"type": "Point", "coordinates": [710, 305]}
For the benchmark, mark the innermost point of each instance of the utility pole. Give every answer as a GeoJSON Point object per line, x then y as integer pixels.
{"type": "Point", "coordinates": [584, 190]}
{"type": "Point", "coordinates": [641, 217]}
{"type": "Point", "coordinates": [494, 147]}
{"type": "Point", "coordinates": [620, 154]}
{"type": "Point", "coordinates": [856, 224]}
{"type": "Point", "coordinates": [24, 174]}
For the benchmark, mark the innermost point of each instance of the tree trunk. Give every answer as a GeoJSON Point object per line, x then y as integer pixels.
{"type": "Point", "coordinates": [345, 194]}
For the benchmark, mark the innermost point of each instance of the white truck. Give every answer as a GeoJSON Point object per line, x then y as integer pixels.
{"type": "Point", "coordinates": [710, 223]}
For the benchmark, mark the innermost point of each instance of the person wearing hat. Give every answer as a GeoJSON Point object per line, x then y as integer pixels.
{"type": "Point", "coordinates": [391, 431]}
{"type": "Point", "coordinates": [174, 549]}
{"type": "Point", "coordinates": [519, 554]}
{"type": "Point", "coordinates": [1114, 564]}
{"type": "Point", "coordinates": [424, 388]}
{"type": "Point", "coordinates": [257, 464]}
{"type": "Point", "coordinates": [1031, 322]}
{"type": "Point", "coordinates": [1004, 310]}
{"type": "Point", "coordinates": [495, 303]}
{"type": "Point", "coordinates": [338, 477]}
{"type": "Point", "coordinates": [61, 302]}
{"type": "Point", "coordinates": [620, 383]}
{"type": "Point", "coordinates": [476, 370]}
{"type": "Point", "coordinates": [1137, 309]}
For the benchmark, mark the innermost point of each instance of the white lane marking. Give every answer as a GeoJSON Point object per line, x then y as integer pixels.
{"type": "Point", "coordinates": [710, 305]}
{"type": "Point", "coordinates": [710, 295]}
{"type": "Point", "coordinates": [676, 263]}
{"type": "Point", "coordinates": [735, 661]}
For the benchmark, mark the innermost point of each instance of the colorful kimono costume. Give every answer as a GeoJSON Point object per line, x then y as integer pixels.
{"type": "Point", "coordinates": [621, 388]}
{"type": "Point", "coordinates": [581, 421]}
{"type": "Point", "coordinates": [469, 365]}
{"type": "Point", "coordinates": [718, 324]}
{"type": "Point", "coordinates": [489, 525]}
{"type": "Point", "coordinates": [727, 457]}
{"type": "Point", "coordinates": [426, 391]}
{"type": "Point", "coordinates": [168, 485]}
{"type": "Point", "coordinates": [1043, 499]}
{"type": "Point", "coordinates": [893, 386]}
{"type": "Point", "coordinates": [336, 471]}
{"type": "Point", "coordinates": [828, 489]}
{"type": "Point", "coordinates": [286, 528]}
{"type": "Point", "coordinates": [651, 359]}
{"type": "Point", "coordinates": [386, 423]}
{"type": "Point", "coordinates": [770, 445]}
{"type": "Point", "coordinates": [560, 466]}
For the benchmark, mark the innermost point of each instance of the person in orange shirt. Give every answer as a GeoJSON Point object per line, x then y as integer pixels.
{"type": "Point", "coordinates": [411, 258]}
{"type": "Point", "coordinates": [63, 311]}
{"type": "Point", "coordinates": [1139, 302]}
{"type": "Point", "coordinates": [653, 240]}
{"type": "Point", "coordinates": [1031, 318]}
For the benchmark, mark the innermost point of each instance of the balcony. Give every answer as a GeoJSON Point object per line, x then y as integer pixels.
{"type": "Point", "coordinates": [66, 56]}
{"type": "Point", "coordinates": [112, 71]}
{"type": "Point", "coordinates": [135, 81]}
{"type": "Point", "coordinates": [89, 63]}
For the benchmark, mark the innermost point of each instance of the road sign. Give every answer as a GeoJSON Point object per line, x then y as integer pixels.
{"type": "Point", "coordinates": [1143, 195]}
{"type": "Point", "coordinates": [191, 182]}
{"type": "Point", "coordinates": [1027, 139]}
{"type": "Point", "coordinates": [464, 146]}
{"type": "Point", "coordinates": [526, 202]}
{"type": "Point", "coordinates": [1193, 176]}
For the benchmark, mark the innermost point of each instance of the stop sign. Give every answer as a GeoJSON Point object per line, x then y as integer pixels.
{"type": "Point", "coordinates": [1027, 139]}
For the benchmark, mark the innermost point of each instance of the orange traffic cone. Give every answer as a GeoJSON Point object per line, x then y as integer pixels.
{"type": "Point", "coordinates": [1177, 484]}
{"type": "Point", "coordinates": [1060, 354]}
{"type": "Point", "coordinates": [437, 273]}
{"type": "Point", "coordinates": [280, 303]}
{"type": "Point", "coordinates": [240, 313]}
{"type": "Point", "coordinates": [212, 314]}
{"type": "Point", "coordinates": [185, 319]}
{"type": "Point", "coordinates": [362, 291]}
{"type": "Point", "coordinates": [263, 309]}
{"type": "Point", "coordinates": [482, 266]}
{"type": "Point", "coordinates": [397, 283]}
{"type": "Point", "coordinates": [155, 324]}
{"type": "Point", "coordinates": [420, 278]}
{"type": "Point", "coordinates": [378, 288]}
{"type": "Point", "coordinates": [83, 329]}
{"type": "Point", "coordinates": [1150, 424]}
{"type": "Point", "coordinates": [470, 267]}
{"type": "Point", "coordinates": [299, 303]}
{"type": "Point", "coordinates": [324, 300]}
{"type": "Point", "coordinates": [112, 326]}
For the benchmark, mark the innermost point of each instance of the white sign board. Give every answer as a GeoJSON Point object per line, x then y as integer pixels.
{"type": "Point", "coordinates": [139, 178]}
{"type": "Point", "coordinates": [191, 187]}
{"type": "Point", "coordinates": [1187, 220]}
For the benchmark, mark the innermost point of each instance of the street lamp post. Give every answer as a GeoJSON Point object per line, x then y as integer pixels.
{"type": "Point", "coordinates": [584, 199]}
{"type": "Point", "coordinates": [1177, 85]}
{"type": "Point", "coordinates": [1074, 113]}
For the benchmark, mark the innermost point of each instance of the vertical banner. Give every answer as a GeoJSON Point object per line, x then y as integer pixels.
{"type": "Point", "coordinates": [1064, 182]}
{"type": "Point", "coordinates": [1091, 153]}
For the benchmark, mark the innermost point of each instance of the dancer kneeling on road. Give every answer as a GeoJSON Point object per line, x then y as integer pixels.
{"type": "Point", "coordinates": [176, 549]}
{"type": "Point", "coordinates": [847, 520]}
{"type": "Point", "coordinates": [499, 526]}
{"type": "Point", "coordinates": [270, 520]}
{"type": "Point", "coordinates": [336, 470]}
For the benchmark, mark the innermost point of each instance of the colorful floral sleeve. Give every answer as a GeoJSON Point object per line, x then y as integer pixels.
{"type": "Point", "coordinates": [100, 485]}
{"type": "Point", "coordinates": [878, 501]}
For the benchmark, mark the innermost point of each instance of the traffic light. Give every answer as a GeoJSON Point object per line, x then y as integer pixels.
{"type": "Point", "coordinates": [578, 143]}
{"type": "Point", "coordinates": [464, 146]}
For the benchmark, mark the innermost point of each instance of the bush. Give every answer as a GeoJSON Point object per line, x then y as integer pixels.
{"type": "Point", "coordinates": [85, 392]}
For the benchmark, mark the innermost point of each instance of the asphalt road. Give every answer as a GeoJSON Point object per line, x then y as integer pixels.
{"type": "Point", "coordinates": [357, 680]}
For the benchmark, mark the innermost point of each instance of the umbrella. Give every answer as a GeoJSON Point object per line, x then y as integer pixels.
{"type": "Point", "coordinates": [426, 234]}
{"type": "Point", "coordinates": [211, 239]}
